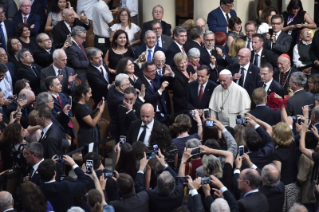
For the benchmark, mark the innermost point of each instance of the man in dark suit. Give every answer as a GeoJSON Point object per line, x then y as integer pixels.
{"type": "Point", "coordinates": [314, 53]}
{"type": "Point", "coordinates": [33, 154]}
{"type": "Point", "coordinates": [61, 194]}
{"type": "Point", "coordinates": [213, 57]}
{"type": "Point", "coordinates": [300, 97]}
{"type": "Point", "coordinates": [260, 55]}
{"type": "Point", "coordinates": [279, 42]}
{"type": "Point", "coordinates": [140, 130]}
{"type": "Point", "coordinates": [272, 187]}
{"type": "Point", "coordinates": [38, 8]}
{"type": "Point", "coordinates": [29, 70]}
{"type": "Point", "coordinates": [64, 28]}
{"type": "Point", "coordinates": [8, 29]}
{"type": "Point", "coordinates": [163, 41]}
{"type": "Point", "coordinates": [98, 75]}
{"type": "Point", "coordinates": [6, 202]}
{"type": "Point", "coordinates": [217, 19]}
{"type": "Point", "coordinates": [157, 13]}
{"type": "Point", "coordinates": [250, 28]}
{"type": "Point", "coordinates": [263, 112]}
{"type": "Point", "coordinates": [52, 135]}
{"type": "Point", "coordinates": [43, 54]}
{"type": "Point", "coordinates": [76, 53]}
{"type": "Point", "coordinates": [25, 16]}
{"type": "Point", "coordinates": [180, 37]}
{"type": "Point", "coordinates": [245, 73]}
{"type": "Point", "coordinates": [10, 8]}
{"type": "Point", "coordinates": [196, 41]}
{"type": "Point", "coordinates": [149, 47]}
{"type": "Point", "coordinates": [64, 73]}
{"type": "Point", "coordinates": [267, 81]}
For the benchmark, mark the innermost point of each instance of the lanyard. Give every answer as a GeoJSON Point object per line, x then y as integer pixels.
{"type": "Point", "coordinates": [290, 19]}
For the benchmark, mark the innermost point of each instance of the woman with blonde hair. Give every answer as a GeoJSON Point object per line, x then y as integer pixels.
{"type": "Point", "coordinates": [188, 25]}
{"type": "Point", "coordinates": [235, 46]}
{"type": "Point", "coordinates": [239, 134]}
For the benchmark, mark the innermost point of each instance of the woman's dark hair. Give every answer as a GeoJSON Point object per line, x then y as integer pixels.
{"type": "Point", "coordinates": [127, 161]}
{"type": "Point", "coordinates": [267, 12]}
{"type": "Point", "coordinates": [121, 65]}
{"type": "Point", "coordinates": [19, 85]}
{"type": "Point", "coordinates": [95, 199]}
{"type": "Point", "coordinates": [77, 93]}
{"type": "Point", "coordinates": [220, 38]}
{"type": "Point", "coordinates": [262, 4]}
{"type": "Point", "coordinates": [129, 18]}
{"type": "Point", "coordinates": [311, 140]}
{"type": "Point", "coordinates": [12, 134]}
{"type": "Point", "coordinates": [212, 143]}
{"type": "Point", "coordinates": [210, 132]}
{"type": "Point", "coordinates": [19, 28]}
{"type": "Point", "coordinates": [160, 135]}
{"type": "Point", "coordinates": [116, 35]}
{"type": "Point", "coordinates": [139, 149]}
{"type": "Point", "coordinates": [315, 79]}
{"type": "Point", "coordinates": [294, 4]}
{"type": "Point", "coordinates": [9, 46]}
{"type": "Point", "coordinates": [182, 123]}
{"type": "Point", "coordinates": [232, 21]}
{"type": "Point", "coordinates": [54, 6]}
{"type": "Point", "coordinates": [32, 198]}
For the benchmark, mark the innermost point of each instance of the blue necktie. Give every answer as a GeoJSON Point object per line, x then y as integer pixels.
{"type": "Point", "coordinates": [3, 40]}
{"type": "Point", "coordinates": [149, 56]}
{"type": "Point", "coordinates": [160, 72]}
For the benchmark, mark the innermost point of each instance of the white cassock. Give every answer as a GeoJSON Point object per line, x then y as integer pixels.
{"type": "Point", "coordinates": [226, 104]}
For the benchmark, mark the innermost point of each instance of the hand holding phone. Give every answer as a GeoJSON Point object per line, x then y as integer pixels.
{"type": "Point", "coordinates": [195, 151]}
{"type": "Point", "coordinates": [89, 166]}
{"type": "Point", "coordinates": [241, 150]}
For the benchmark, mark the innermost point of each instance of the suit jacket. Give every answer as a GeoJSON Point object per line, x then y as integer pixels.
{"type": "Point", "coordinates": [170, 53]}
{"type": "Point", "coordinates": [252, 76]}
{"type": "Point", "coordinates": [134, 130]}
{"type": "Point", "coordinates": [77, 60]}
{"type": "Point", "coordinates": [38, 8]}
{"type": "Point", "coordinates": [61, 194]}
{"type": "Point", "coordinates": [233, 205]}
{"type": "Point", "coordinates": [194, 203]}
{"type": "Point", "coordinates": [10, 28]}
{"type": "Point", "coordinates": [191, 44]}
{"type": "Point", "coordinates": [253, 202]}
{"type": "Point", "coordinates": [277, 76]}
{"type": "Point", "coordinates": [314, 52]}
{"type": "Point", "coordinates": [297, 101]}
{"type": "Point", "coordinates": [42, 57]}
{"type": "Point", "coordinates": [32, 19]}
{"type": "Point", "coordinates": [282, 45]}
{"type": "Point", "coordinates": [274, 87]}
{"type": "Point", "coordinates": [192, 95]}
{"type": "Point", "coordinates": [147, 26]}
{"type": "Point", "coordinates": [114, 99]}
{"type": "Point", "coordinates": [25, 72]}
{"type": "Point", "coordinates": [275, 196]}
{"type": "Point", "coordinates": [166, 41]}
{"type": "Point", "coordinates": [36, 178]}
{"type": "Point", "coordinates": [266, 114]}
{"type": "Point", "coordinates": [13, 72]}
{"type": "Point", "coordinates": [98, 83]}
{"type": "Point", "coordinates": [139, 50]}
{"type": "Point", "coordinates": [136, 203]}
{"type": "Point", "coordinates": [60, 32]}
{"type": "Point", "coordinates": [216, 20]}
{"type": "Point", "coordinates": [267, 56]}
{"type": "Point", "coordinates": [52, 141]}
{"type": "Point", "coordinates": [66, 72]}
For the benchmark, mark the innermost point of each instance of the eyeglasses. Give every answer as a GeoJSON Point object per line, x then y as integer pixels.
{"type": "Point", "coordinates": [229, 6]}
{"type": "Point", "coordinates": [209, 40]}
{"type": "Point", "coordinates": [307, 32]}
{"type": "Point", "coordinates": [83, 38]}
{"type": "Point", "coordinates": [263, 74]}
{"type": "Point", "coordinates": [156, 29]}
{"type": "Point", "coordinates": [241, 57]}
{"type": "Point", "coordinates": [276, 24]}
{"type": "Point", "coordinates": [25, 6]}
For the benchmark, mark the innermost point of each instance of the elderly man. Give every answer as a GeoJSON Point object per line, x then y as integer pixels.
{"type": "Point", "coordinates": [201, 22]}
{"type": "Point", "coordinates": [245, 73]}
{"type": "Point", "coordinates": [33, 154]}
{"type": "Point", "coordinates": [301, 56]}
{"type": "Point", "coordinates": [162, 69]}
{"type": "Point", "coordinates": [64, 73]}
{"type": "Point", "coordinates": [6, 202]}
{"type": "Point", "coordinates": [285, 71]}
{"type": "Point", "coordinates": [180, 37]}
{"type": "Point", "coordinates": [10, 8]}
{"type": "Point", "coordinates": [228, 100]}
{"type": "Point", "coordinates": [8, 28]}
{"type": "Point", "coordinates": [64, 28]}
{"type": "Point", "coordinates": [163, 41]}
{"type": "Point", "coordinates": [196, 41]}
{"type": "Point", "coordinates": [157, 13]}
{"type": "Point", "coordinates": [250, 28]}
{"type": "Point", "coordinates": [76, 53]}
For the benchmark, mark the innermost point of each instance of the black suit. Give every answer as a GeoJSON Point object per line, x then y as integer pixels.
{"type": "Point", "coordinates": [135, 203]}
{"type": "Point", "coordinates": [191, 44]}
{"type": "Point", "coordinates": [147, 26]}
{"type": "Point", "coordinates": [32, 19]}
{"type": "Point", "coordinates": [277, 76]}
{"type": "Point", "coordinates": [233, 205]}
{"type": "Point", "coordinates": [252, 76]}
{"type": "Point", "coordinates": [193, 92]}
{"type": "Point", "coordinates": [43, 57]}
{"type": "Point", "coordinates": [267, 56]}
{"type": "Point", "coordinates": [275, 196]}
{"type": "Point", "coordinates": [60, 32]}
{"type": "Point", "coordinates": [139, 50]}
{"type": "Point", "coordinates": [13, 72]}
{"type": "Point", "coordinates": [32, 74]}
{"type": "Point", "coordinates": [52, 141]}
{"type": "Point", "coordinates": [194, 203]}
{"type": "Point", "coordinates": [266, 114]}
{"type": "Point", "coordinates": [35, 178]}
{"type": "Point", "coordinates": [172, 50]}
{"type": "Point", "coordinates": [98, 83]}
{"type": "Point", "coordinates": [253, 202]}
{"type": "Point", "coordinates": [297, 101]}
{"type": "Point", "coordinates": [61, 194]}
{"type": "Point", "coordinates": [134, 130]}
{"type": "Point", "coordinates": [282, 45]}
{"type": "Point", "coordinates": [38, 8]}
{"type": "Point", "coordinates": [10, 28]}
{"type": "Point", "coordinates": [314, 52]}
{"type": "Point", "coordinates": [274, 87]}
{"type": "Point", "coordinates": [114, 99]}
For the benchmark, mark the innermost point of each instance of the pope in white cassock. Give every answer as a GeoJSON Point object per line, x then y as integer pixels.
{"type": "Point", "coordinates": [228, 100]}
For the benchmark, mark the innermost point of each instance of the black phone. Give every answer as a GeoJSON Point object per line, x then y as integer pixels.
{"type": "Point", "coordinates": [209, 123]}
{"type": "Point", "coordinates": [195, 151]}
{"type": "Point", "coordinates": [182, 179]}
{"type": "Point", "coordinates": [89, 166]}
{"type": "Point", "coordinates": [70, 100]}
{"type": "Point", "coordinates": [60, 158]}
{"type": "Point", "coordinates": [155, 147]}
{"type": "Point", "coordinates": [150, 155]}
{"type": "Point", "coordinates": [271, 32]}
{"type": "Point", "coordinates": [205, 180]}
{"type": "Point", "coordinates": [163, 69]}
{"type": "Point", "coordinates": [206, 113]}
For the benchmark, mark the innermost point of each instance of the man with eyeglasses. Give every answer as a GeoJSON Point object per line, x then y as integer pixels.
{"type": "Point", "coordinates": [314, 53]}
{"type": "Point", "coordinates": [217, 19]}
{"type": "Point", "coordinates": [162, 69]}
{"type": "Point", "coordinates": [7, 29]}
{"type": "Point", "coordinates": [43, 54]}
{"type": "Point", "coordinates": [76, 53]}
{"type": "Point", "coordinates": [250, 28]}
{"type": "Point", "coordinates": [279, 42]}
{"type": "Point", "coordinates": [157, 13]}
{"type": "Point", "coordinates": [301, 57]}
{"type": "Point", "coordinates": [163, 41]}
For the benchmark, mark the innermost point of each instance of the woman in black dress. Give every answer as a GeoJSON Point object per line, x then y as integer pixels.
{"type": "Point", "coordinates": [119, 48]}
{"type": "Point", "coordinates": [127, 66]}
{"type": "Point", "coordinates": [87, 119]}
{"type": "Point", "coordinates": [23, 30]}
{"type": "Point", "coordinates": [13, 46]}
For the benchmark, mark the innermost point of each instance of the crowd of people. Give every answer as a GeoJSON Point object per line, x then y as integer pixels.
{"type": "Point", "coordinates": [208, 116]}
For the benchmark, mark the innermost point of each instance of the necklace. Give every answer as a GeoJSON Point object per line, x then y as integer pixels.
{"type": "Point", "coordinates": [286, 78]}
{"type": "Point", "coordinates": [222, 107]}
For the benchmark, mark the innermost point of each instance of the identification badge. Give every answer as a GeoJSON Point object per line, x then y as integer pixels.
{"type": "Point", "coordinates": [101, 40]}
{"type": "Point", "coordinates": [289, 32]}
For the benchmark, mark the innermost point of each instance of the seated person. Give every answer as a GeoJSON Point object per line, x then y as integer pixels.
{"type": "Point", "coordinates": [301, 57]}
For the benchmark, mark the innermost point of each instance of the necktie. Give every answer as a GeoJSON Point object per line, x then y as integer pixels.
{"type": "Point", "coordinates": [31, 172]}
{"type": "Point", "coordinates": [33, 71]}
{"type": "Point", "coordinates": [241, 80]}
{"type": "Point", "coordinates": [183, 50]}
{"type": "Point", "coordinates": [200, 95]}
{"type": "Point", "coordinates": [248, 44]}
{"type": "Point", "coordinates": [83, 51]}
{"type": "Point", "coordinates": [275, 37]}
{"type": "Point", "coordinates": [152, 85]}
{"type": "Point", "coordinates": [59, 72]}
{"type": "Point", "coordinates": [264, 86]}
{"type": "Point", "coordinates": [227, 17]}
{"type": "Point", "coordinates": [149, 56]}
{"type": "Point", "coordinates": [71, 27]}
{"type": "Point", "coordinates": [142, 136]}
{"type": "Point", "coordinates": [42, 134]}
{"type": "Point", "coordinates": [160, 72]}
{"type": "Point", "coordinates": [102, 72]}
{"type": "Point", "coordinates": [25, 19]}
{"type": "Point", "coordinates": [3, 39]}
{"type": "Point", "coordinates": [256, 60]}
{"type": "Point", "coordinates": [59, 100]}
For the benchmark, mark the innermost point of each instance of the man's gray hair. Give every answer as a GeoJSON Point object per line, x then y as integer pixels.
{"type": "Point", "coordinates": [269, 179]}
{"type": "Point", "coordinates": [75, 209]}
{"type": "Point", "coordinates": [35, 148]}
{"type": "Point", "coordinates": [178, 30]}
{"type": "Point", "coordinates": [6, 203]}
{"type": "Point", "coordinates": [119, 79]}
{"type": "Point", "coordinates": [21, 1]}
{"type": "Point", "coordinates": [219, 205]}
{"type": "Point", "coordinates": [193, 143]}
{"type": "Point", "coordinates": [299, 78]}
{"type": "Point", "coordinates": [212, 166]}
{"type": "Point", "coordinates": [43, 98]}
{"type": "Point", "coordinates": [38, 38]}
{"type": "Point", "coordinates": [78, 30]}
{"type": "Point", "coordinates": [157, 6]}
{"type": "Point", "coordinates": [296, 207]}
{"type": "Point", "coordinates": [150, 31]}
{"type": "Point", "coordinates": [166, 183]}
{"type": "Point", "coordinates": [56, 54]}
{"type": "Point", "coordinates": [315, 112]}
{"type": "Point", "coordinates": [21, 52]}
{"type": "Point", "coordinates": [92, 52]}
{"type": "Point", "coordinates": [196, 32]}
{"type": "Point", "coordinates": [208, 33]}
{"type": "Point", "coordinates": [193, 52]}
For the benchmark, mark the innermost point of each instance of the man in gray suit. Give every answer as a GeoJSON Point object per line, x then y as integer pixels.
{"type": "Point", "coordinates": [58, 68]}
{"type": "Point", "coordinates": [163, 41]}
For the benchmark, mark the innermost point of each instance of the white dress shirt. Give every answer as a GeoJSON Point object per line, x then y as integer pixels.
{"type": "Point", "coordinates": [102, 16]}
{"type": "Point", "coordinates": [4, 31]}
{"type": "Point", "coordinates": [105, 74]}
{"type": "Point", "coordinates": [259, 58]}
{"type": "Point", "coordinates": [152, 53]}
{"type": "Point", "coordinates": [35, 167]}
{"type": "Point", "coordinates": [204, 86]}
{"type": "Point", "coordinates": [268, 84]}
{"type": "Point", "coordinates": [45, 130]}
{"type": "Point", "coordinates": [229, 15]}
{"type": "Point", "coordinates": [24, 16]}
{"type": "Point", "coordinates": [296, 55]}
{"type": "Point", "coordinates": [179, 46]}
{"type": "Point", "coordinates": [68, 26]}
{"type": "Point", "coordinates": [159, 42]}
{"type": "Point", "coordinates": [148, 132]}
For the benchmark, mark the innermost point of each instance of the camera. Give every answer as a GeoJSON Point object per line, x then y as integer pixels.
{"type": "Point", "coordinates": [191, 113]}
{"type": "Point", "coordinates": [205, 180]}
{"type": "Point", "coordinates": [240, 120]}
{"type": "Point", "coordinates": [60, 158]}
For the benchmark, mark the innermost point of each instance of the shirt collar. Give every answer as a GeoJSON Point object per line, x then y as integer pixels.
{"type": "Point", "coordinates": [56, 70]}
{"type": "Point", "coordinates": [204, 85]}
{"type": "Point", "coordinates": [269, 82]}
{"type": "Point", "coordinates": [304, 42]}
{"type": "Point", "coordinates": [245, 66]}
{"type": "Point", "coordinates": [149, 125]}
{"type": "Point", "coordinates": [222, 11]}
{"type": "Point", "coordinates": [54, 95]}
{"type": "Point", "coordinates": [298, 90]}
{"type": "Point", "coordinates": [150, 49]}
{"type": "Point", "coordinates": [179, 46]}
{"type": "Point", "coordinates": [35, 166]}
{"type": "Point", "coordinates": [46, 128]}
{"type": "Point", "coordinates": [259, 53]}
{"type": "Point", "coordinates": [278, 33]}
{"type": "Point", "coordinates": [252, 191]}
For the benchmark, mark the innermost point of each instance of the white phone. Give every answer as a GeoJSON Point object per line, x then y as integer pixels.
{"type": "Point", "coordinates": [241, 150]}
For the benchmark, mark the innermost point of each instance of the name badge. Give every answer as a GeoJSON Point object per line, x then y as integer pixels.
{"type": "Point", "coordinates": [101, 40]}
{"type": "Point", "coordinates": [289, 32]}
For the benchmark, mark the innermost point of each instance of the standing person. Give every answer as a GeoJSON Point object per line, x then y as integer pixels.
{"type": "Point", "coordinates": [132, 7]}
{"type": "Point", "coordinates": [7, 26]}
{"type": "Point", "coordinates": [13, 47]}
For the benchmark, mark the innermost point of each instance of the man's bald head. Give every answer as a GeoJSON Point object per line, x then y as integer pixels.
{"type": "Point", "coordinates": [270, 175]}
{"type": "Point", "coordinates": [147, 113]}
{"type": "Point", "coordinates": [30, 97]}
{"type": "Point", "coordinates": [244, 56]}
{"type": "Point", "coordinates": [6, 200]}
{"type": "Point", "coordinates": [249, 179]}
{"type": "Point", "coordinates": [159, 59]}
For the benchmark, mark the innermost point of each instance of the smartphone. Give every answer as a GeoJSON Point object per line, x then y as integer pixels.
{"type": "Point", "coordinates": [155, 147]}
{"type": "Point", "coordinates": [195, 151]}
{"type": "Point", "coordinates": [163, 69]}
{"type": "Point", "coordinates": [69, 40]}
{"type": "Point", "coordinates": [191, 113]}
{"type": "Point", "coordinates": [82, 13]}
{"type": "Point", "coordinates": [62, 177]}
{"type": "Point", "coordinates": [182, 179]}
{"type": "Point", "coordinates": [209, 123]}
{"type": "Point", "coordinates": [24, 97]}
{"type": "Point", "coordinates": [60, 158]}
{"type": "Point", "coordinates": [122, 139]}
{"type": "Point", "coordinates": [103, 99]}
{"type": "Point", "coordinates": [270, 31]}
{"type": "Point", "coordinates": [205, 180]}
{"type": "Point", "coordinates": [310, 107]}
{"type": "Point", "coordinates": [150, 155]}
{"type": "Point", "coordinates": [70, 100]}
{"type": "Point", "coordinates": [89, 166]}
{"type": "Point", "coordinates": [241, 150]}
{"type": "Point", "coordinates": [206, 112]}
{"type": "Point", "coordinates": [109, 174]}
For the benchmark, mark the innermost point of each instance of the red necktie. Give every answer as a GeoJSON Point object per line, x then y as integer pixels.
{"type": "Point", "coordinates": [70, 124]}
{"type": "Point", "coordinates": [83, 51]}
{"type": "Point", "coordinates": [200, 95]}
{"type": "Point", "coordinates": [183, 50]}
{"type": "Point", "coordinates": [25, 19]}
{"type": "Point", "coordinates": [102, 71]}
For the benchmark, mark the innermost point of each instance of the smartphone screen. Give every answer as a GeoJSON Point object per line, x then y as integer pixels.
{"type": "Point", "coordinates": [205, 180]}
{"type": "Point", "coordinates": [89, 166]}
{"type": "Point", "coordinates": [206, 113]}
{"type": "Point", "coordinates": [150, 155]}
{"type": "Point", "coordinates": [122, 139]}
{"type": "Point", "coordinates": [70, 100]}
{"type": "Point", "coordinates": [195, 151]}
{"type": "Point", "coordinates": [182, 179]}
{"type": "Point", "coordinates": [209, 123]}
{"type": "Point", "coordinates": [155, 147]}
{"type": "Point", "coordinates": [241, 150]}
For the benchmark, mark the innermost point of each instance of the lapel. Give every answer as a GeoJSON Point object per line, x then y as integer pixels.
{"type": "Point", "coordinates": [64, 28]}
{"type": "Point", "coordinates": [280, 37]}
{"type": "Point", "coordinates": [51, 71]}
{"type": "Point", "coordinates": [221, 15]}
{"type": "Point", "coordinates": [147, 85]}
{"type": "Point", "coordinates": [248, 75]}
{"type": "Point", "coordinates": [263, 58]}
{"type": "Point", "coordinates": [271, 87]}
{"type": "Point", "coordinates": [99, 72]}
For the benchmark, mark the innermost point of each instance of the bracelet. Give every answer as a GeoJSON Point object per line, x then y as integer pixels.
{"type": "Point", "coordinates": [198, 125]}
